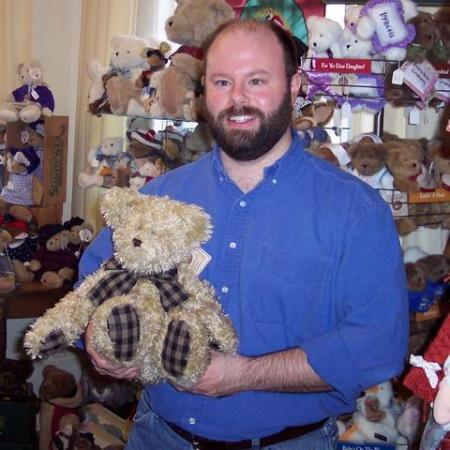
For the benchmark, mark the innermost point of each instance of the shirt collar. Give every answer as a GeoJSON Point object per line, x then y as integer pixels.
{"type": "Point", "coordinates": [278, 168]}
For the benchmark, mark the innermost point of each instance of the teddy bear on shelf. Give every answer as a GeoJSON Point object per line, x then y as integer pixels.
{"type": "Point", "coordinates": [60, 404]}
{"type": "Point", "coordinates": [368, 158]}
{"type": "Point", "coordinates": [113, 86]}
{"type": "Point", "coordinates": [103, 161]}
{"type": "Point", "coordinates": [53, 263]}
{"type": "Point", "coordinates": [374, 419]}
{"type": "Point", "coordinates": [153, 167]}
{"type": "Point", "coordinates": [23, 186]}
{"type": "Point", "coordinates": [179, 84]}
{"type": "Point", "coordinates": [159, 292]}
{"type": "Point", "coordinates": [14, 374]}
{"type": "Point", "coordinates": [385, 22]}
{"type": "Point", "coordinates": [426, 38]}
{"type": "Point", "coordinates": [32, 99]}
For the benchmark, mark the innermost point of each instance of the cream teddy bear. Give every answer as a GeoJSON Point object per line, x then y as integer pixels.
{"type": "Point", "coordinates": [148, 307]}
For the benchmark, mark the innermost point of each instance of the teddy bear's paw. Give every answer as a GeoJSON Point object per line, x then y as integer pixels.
{"type": "Point", "coordinates": [124, 331]}
{"type": "Point", "coordinates": [52, 280]}
{"type": "Point", "coordinates": [8, 115]}
{"type": "Point", "coordinates": [42, 348]}
{"type": "Point", "coordinates": [30, 113]}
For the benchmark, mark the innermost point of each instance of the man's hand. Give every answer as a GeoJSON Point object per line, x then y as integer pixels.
{"type": "Point", "coordinates": [105, 367]}
{"type": "Point", "coordinates": [223, 376]}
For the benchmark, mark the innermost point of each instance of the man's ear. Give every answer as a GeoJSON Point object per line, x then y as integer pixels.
{"type": "Point", "coordinates": [296, 83]}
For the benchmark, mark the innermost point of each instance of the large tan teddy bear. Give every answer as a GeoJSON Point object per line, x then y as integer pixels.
{"type": "Point", "coordinates": [148, 307]}
{"type": "Point", "coordinates": [179, 84]}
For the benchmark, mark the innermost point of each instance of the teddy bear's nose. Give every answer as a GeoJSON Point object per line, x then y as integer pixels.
{"type": "Point", "coordinates": [348, 46]}
{"type": "Point", "coordinates": [170, 23]}
{"type": "Point", "coordinates": [315, 44]}
{"type": "Point", "coordinates": [137, 242]}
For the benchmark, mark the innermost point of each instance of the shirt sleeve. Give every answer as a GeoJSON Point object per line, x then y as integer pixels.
{"type": "Point", "coordinates": [369, 342]}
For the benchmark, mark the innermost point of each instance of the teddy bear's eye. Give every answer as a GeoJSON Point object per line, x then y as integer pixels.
{"type": "Point", "coordinates": [128, 51]}
{"type": "Point", "coordinates": [356, 41]}
{"type": "Point", "coordinates": [320, 35]}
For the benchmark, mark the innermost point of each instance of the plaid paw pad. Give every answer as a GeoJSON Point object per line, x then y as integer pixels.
{"type": "Point", "coordinates": [176, 348]}
{"type": "Point", "coordinates": [124, 331]}
{"type": "Point", "coordinates": [52, 343]}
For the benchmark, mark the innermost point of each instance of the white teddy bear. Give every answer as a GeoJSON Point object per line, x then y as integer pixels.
{"type": "Point", "coordinates": [114, 85]}
{"type": "Point", "coordinates": [323, 37]}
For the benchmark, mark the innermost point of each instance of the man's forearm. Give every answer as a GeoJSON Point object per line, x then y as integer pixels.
{"type": "Point", "coordinates": [284, 371]}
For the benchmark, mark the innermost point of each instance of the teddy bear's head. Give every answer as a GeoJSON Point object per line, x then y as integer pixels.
{"type": "Point", "coordinates": [22, 161]}
{"type": "Point", "coordinates": [127, 51]}
{"type": "Point", "coordinates": [442, 18]}
{"type": "Point", "coordinates": [352, 16]}
{"type": "Point", "coordinates": [322, 33]}
{"type": "Point", "coordinates": [426, 38]}
{"type": "Point", "coordinates": [194, 20]}
{"type": "Point", "coordinates": [56, 383]}
{"type": "Point", "coordinates": [404, 157]}
{"type": "Point", "coordinates": [415, 276]}
{"type": "Point", "coordinates": [143, 143]}
{"type": "Point", "coordinates": [367, 157]}
{"type": "Point", "coordinates": [112, 146]}
{"type": "Point", "coordinates": [57, 242]}
{"type": "Point", "coordinates": [158, 234]}
{"type": "Point", "coordinates": [435, 266]}
{"type": "Point", "coordinates": [30, 73]}
{"type": "Point", "coordinates": [352, 46]}
{"type": "Point", "coordinates": [156, 55]}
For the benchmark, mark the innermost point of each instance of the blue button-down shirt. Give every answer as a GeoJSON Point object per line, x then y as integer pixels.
{"type": "Point", "coordinates": [309, 258]}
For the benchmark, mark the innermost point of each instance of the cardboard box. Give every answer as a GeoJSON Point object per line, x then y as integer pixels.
{"type": "Point", "coordinates": [54, 157]}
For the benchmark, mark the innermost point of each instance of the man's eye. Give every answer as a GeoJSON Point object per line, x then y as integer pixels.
{"type": "Point", "coordinates": [221, 83]}
{"type": "Point", "coordinates": [256, 81]}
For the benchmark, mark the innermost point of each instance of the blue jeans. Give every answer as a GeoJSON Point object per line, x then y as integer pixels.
{"type": "Point", "coordinates": [150, 432]}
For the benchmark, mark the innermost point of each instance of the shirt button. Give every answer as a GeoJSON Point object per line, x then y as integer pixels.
{"type": "Point", "coordinates": [274, 181]}
{"type": "Point", "coordinates": [224, 289]}
{"type": "Point", "coordinates": [191, 420]}
{"type": "Point", "coordinates": [232, 245]}
{"type": "Point", "coordinates": [242, 204]}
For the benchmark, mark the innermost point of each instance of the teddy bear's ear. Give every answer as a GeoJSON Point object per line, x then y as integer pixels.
{"type": "Point", "coordinates": [19, 68]}
{"type": "Point", "coordinates": [115, 203]}
{"type": "Point", "coordinates": [197, 222]}
{"type": "Point", "coordinates": [164, 47]}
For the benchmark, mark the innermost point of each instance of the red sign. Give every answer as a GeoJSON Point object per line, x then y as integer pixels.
{"type": "Point", "coordinates": [443, 70]}
{"type": "Point", "coordinates": [361, 66]}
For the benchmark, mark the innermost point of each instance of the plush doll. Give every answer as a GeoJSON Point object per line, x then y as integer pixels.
{"type": "Point", "coordinates": [441, 51]}
{"type": "Point", "coordinates": [32, 99]}
{"type": "Point", "coordinates": [426, 38]}
{"type": "Point", "coordinates": [385, 22]}
{"type": "Point", "coordinates": [61, 399]}
{"type": "Point", "coordinates": [197, 143]}
{"type": "Point", "coordinates": [428, 379]}
{"type": "Point", "coordinates": [404, 159]}
{"type": "Point", "coordinates": [112, 87]}
{"type": "Point", "coordinates": [78, 233]}
{"type": "Point", "coordinates": [336, 154]}
{"type": "Point", "coordinates": [153, 167]}
{"type": "Point", "coordinates": [23, 187]}
{"type": "Point", "coordinates": [368, 157]}
{"type": "Point", "coordinates": [33, 135]}
{"type": "Point", "coordinates": [323, 37]}
{"type": "Point", "coordinates": [148, 283]}
{"type": "Point", "coordinates": [103, 161]}
{"type": "Point", "coordinates": [190, 25]}
{"type": "Point", "coordinates": [7, 275]}
{"type": "Point", "coordinates": [352, 46]}
{"type": "Point", "coordinates": [14, 374]}
{"type": "Point", "coordinates": [351, 18]}
{"type": "Point", "coordinates": [374, 419]}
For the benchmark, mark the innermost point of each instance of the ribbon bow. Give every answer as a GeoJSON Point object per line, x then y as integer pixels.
{"type": "Point", "coordinates": [119, 281]}
{"type": "Point", "coordinates": [430, 368]}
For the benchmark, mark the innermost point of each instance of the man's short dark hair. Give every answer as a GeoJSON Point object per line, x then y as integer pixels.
{"type": "Point", "coordinates": [284, 37]}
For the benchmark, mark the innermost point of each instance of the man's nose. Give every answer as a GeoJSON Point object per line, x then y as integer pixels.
{"type": "Point", "coordinates": [238, 94]}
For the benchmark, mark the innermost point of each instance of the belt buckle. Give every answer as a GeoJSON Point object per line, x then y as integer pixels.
{"type": "Point", "coordinates": [195, 444]}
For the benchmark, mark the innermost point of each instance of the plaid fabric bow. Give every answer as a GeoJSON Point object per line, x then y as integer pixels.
{"type": "Point", "coordinates": [118, 281]}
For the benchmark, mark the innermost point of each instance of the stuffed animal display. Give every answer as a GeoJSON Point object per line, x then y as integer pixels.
{"type": "Point", "coordinates": [60, 401]}
{"type": "Point", "coordinates": [32, 99]}
{"type": "Point", "coordinates": [148, 283]}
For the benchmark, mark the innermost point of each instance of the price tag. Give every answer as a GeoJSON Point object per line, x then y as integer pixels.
{"type": "Point", "coordinates": [397, 76]}
{"type": "Point", "coordinates": [34, 94]}
{"type": "Point", "coordinates": [346, 115]}
{"type": "Point", "coordinates": [25, 137]}
{"type": "Point", "coordinates": [86, 235]}
{"type": "Point", "coordinates": [414, 116]}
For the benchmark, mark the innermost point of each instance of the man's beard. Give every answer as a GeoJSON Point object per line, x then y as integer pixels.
{"type": "Point", "coordinates": [248, 145]}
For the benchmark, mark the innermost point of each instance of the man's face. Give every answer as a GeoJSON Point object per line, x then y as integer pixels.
{"type": "Point", "coordinates": [248, 99]}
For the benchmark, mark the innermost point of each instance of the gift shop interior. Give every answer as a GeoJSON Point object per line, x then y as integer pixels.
{"type": "Point", "coordinates": [100, 98]}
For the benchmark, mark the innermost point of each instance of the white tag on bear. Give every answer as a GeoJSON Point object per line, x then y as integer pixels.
{"type": "Point", "coordinates": [397, 76]}
{"type": "Point", "coordinates": [199, 260]}
{"type": "Point", "coordinates": [414, 116]}
{"type": "Point", "coordinates": [34, 94]}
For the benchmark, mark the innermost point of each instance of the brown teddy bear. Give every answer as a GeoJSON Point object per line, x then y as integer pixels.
{"type": "Point", "coordinates": [14, 375]}
{"type": "Point", "coordinates": [61, 398]}
{"type": "Point", "coordinates": [441, 51]}
{"type": "Point", "coordinates": [160, 293]}
{"type": "Point", "coordinates": [404, 159]}
{"type": "Point", "coordinates": [416, 276]}
{"type": "Point", "coordinates": [427, 37]}
{"type": "Point", "coordinates": [190, 25]}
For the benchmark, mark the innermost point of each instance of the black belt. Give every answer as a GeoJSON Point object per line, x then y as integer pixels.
{"type": "Point", "coordinates": [201, 443]}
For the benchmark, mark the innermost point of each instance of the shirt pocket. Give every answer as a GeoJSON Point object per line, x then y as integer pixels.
{"type": "Point", "coordinates": [290, 284]}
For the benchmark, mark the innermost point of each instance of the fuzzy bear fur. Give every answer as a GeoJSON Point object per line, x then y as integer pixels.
{"type": "Point", "coordinates": [167, 232]}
